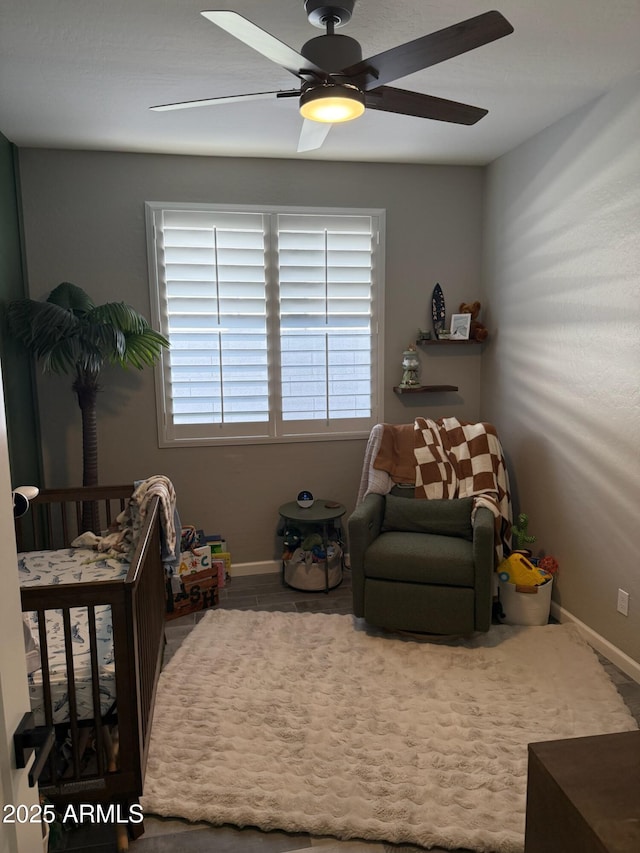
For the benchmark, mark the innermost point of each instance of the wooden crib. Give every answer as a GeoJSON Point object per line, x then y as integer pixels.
{"type": "Point", "coordinates": [101, 757]}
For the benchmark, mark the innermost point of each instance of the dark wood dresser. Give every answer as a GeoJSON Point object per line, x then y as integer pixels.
{"type": "Point", "coordinates": [583, 795]}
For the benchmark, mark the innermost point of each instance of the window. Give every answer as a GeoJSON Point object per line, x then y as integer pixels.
{"type": "Point", "coordinates": [274, 320]}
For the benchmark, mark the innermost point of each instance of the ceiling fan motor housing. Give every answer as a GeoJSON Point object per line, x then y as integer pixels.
{"type": "Point", "coordinates": [321, 13]}
{"type": "Point", "coordinates": [332, 52]}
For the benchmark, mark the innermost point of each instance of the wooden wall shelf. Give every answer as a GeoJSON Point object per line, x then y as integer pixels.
{"type": "Point", "coordinates": [434, 389]}
{"type": "Point", "coordinates": [424, 389]}
{"type": "Point", "coordinates": [436, 343]}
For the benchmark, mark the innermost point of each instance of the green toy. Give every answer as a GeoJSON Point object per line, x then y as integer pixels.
{"type": "Point", "coordinates": [313, 540]}
{"type": "Point", "coordinates": [519, 533]}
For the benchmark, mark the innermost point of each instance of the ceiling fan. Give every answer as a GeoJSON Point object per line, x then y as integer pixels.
{"type": "Point", "coordinates": [337, 84]}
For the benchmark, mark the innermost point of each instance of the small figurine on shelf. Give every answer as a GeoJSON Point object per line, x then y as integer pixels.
{"type": "Point", "coordinates": [438, 311]}
{"type": "Point", "coordinates": [410, 365]}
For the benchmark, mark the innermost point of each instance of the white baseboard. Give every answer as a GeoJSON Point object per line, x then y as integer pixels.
{"type": "Point", "coordinates": [266, 567]}
{"type": "Point", "coordinates": [628, 665]}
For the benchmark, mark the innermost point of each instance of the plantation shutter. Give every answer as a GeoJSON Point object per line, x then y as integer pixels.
{"type": "Point", "coordinates": [325, 297]}
{"type": "Point", "coordinates": [272, 320]}
{"type": "Point", "coordinates": [215, 289]}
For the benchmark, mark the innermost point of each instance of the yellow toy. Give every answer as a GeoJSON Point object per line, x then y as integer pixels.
{"type": "Point", "coordinates": [518, 570]}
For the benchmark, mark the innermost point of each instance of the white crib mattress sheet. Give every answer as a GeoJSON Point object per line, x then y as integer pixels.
{"type": "Point", "coordinates": [72, 565]}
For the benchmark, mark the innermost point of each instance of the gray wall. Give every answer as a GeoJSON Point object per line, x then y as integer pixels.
{"type": "Point", "coordinates": [561, 381]}
{"type": "Point", "coordinates": [84, 222]}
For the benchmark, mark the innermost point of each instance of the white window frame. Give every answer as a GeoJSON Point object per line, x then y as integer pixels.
{"type": "Point", "coordinates": [170, 435]}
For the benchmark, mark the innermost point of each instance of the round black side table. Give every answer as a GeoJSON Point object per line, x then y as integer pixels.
{"type": "Point", "coordinates": [323, 512]}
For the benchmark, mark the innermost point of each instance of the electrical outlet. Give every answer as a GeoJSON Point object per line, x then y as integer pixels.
{"type": "Point", "coordinates": [623, 602]}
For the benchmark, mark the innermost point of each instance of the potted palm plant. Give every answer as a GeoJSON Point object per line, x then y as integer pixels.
{"type": "Point", "coordinates": [69, 334]}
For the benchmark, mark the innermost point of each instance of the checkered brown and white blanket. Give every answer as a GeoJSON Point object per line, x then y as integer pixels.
{"type": "Point", "coordinates": [455, 459]}
{"type": "Point", "coordinates": [451, 459]}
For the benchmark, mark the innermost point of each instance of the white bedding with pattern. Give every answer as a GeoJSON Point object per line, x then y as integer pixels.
{"type": "Point", "coordinates": [71, 565]}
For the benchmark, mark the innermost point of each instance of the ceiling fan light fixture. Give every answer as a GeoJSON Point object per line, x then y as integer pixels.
{"type": "Point", "coordinates": [332, 103]}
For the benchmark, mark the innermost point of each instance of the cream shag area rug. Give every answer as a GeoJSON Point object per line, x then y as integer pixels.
{"type": "Point", "coordinates": [313, 723]}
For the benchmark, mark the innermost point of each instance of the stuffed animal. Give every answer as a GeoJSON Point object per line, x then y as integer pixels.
{"type": "Point", "coordinates": [519, 533]}
{"type": "Point", "coordinates": [477, 332]}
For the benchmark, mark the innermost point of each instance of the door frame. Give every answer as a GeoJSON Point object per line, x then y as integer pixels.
{"type": "Point", "coordinates": [17, 834]}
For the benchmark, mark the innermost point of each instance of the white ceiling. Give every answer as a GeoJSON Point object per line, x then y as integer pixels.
{"type": "Point", "coordinates": [82, 74]}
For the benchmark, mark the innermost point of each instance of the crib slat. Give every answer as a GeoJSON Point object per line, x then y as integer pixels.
{"type": "Point", "coordinates": [65, 523]}
{"type": "Point", "coordinates": [44, 663]}
{"type": "Point", "coordinates": [95, 688]}
{"type": "Point", "coordinates": [49, 520]}
{"type": "Point", "coordinates": [46, 685]}
{"type": "Point", "coordinates": [71, 691]}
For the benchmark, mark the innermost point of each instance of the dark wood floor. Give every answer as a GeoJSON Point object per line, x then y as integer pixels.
{"type": "Point", "coordinates": [269, 592]}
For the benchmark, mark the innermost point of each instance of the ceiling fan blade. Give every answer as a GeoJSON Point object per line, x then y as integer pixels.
{"type": "Point", "coordinates": [428, 50]}
{"type": "Point", "coordinates": [313, 134]}
{"type": "Point", "coordinates": [226, 99]}
{"type": "Point", "coordinates": [266, 44]}
{"type": "Point", "coordinates": [393, 100]}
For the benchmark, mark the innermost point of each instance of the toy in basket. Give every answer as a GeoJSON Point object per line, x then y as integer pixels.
{"type": "Point", "coordinates": [195, 586]}
{"type": "Point", "coordinates": [525, 591]}
{"type": "Point", "coordinates": [519, 570]}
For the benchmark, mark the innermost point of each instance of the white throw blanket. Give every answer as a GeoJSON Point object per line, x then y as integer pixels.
{"type": "Point", "coordinates": [123, 539]}
{"type": "Point", "coordinates": [373, 481]}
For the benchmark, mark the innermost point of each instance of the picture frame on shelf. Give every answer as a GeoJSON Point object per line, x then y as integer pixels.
{"type": "Point", "coordinates": [460, 327]}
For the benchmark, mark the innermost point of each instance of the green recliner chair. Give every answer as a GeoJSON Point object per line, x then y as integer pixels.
{"type": "Point", "coordinates": [422, 565]}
